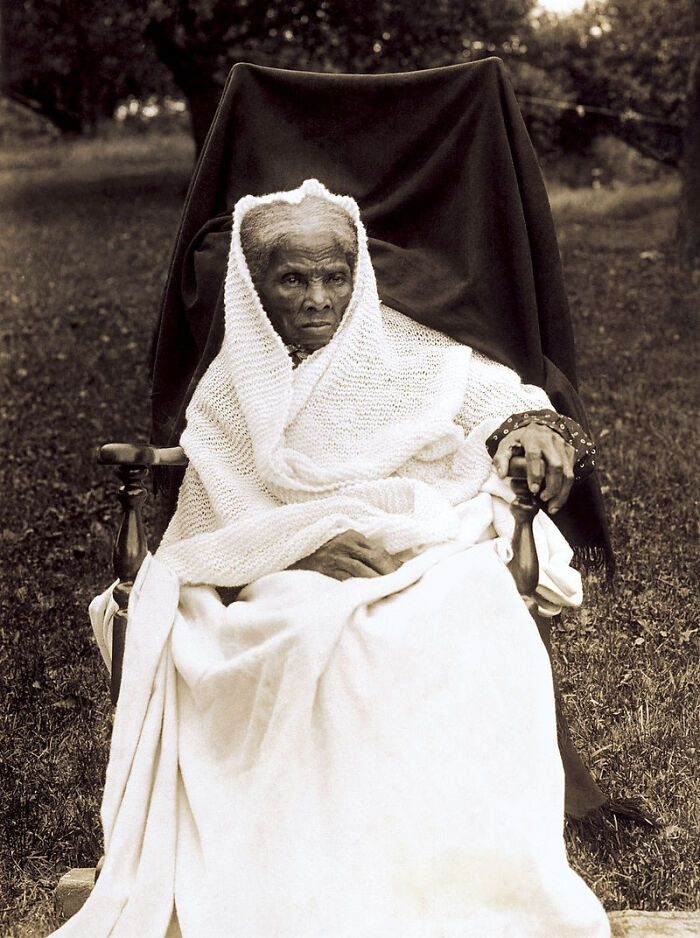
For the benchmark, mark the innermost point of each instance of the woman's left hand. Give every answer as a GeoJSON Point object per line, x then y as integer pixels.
{"type": "Point", "coordinates": [549, 458]}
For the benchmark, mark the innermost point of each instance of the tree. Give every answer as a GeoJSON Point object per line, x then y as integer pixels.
{"type": "Point", "coordinates": [630, 60]}
{"type": "Point", "coordinates": [688, 233]}
{"type": "Point", "coordinates": [640, 61]}
{"type": "Point", "coordinates": [200, 40]}
{"type": "Point", "coordinates": [73, 60]}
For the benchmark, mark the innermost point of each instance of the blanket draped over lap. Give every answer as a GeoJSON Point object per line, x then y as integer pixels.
{"type": "Point", "coordinates": [364, 759]}
{"type": "Point", "coordinates": [459, 225]}
{"type": "Point", "coordinates": [373, 758]}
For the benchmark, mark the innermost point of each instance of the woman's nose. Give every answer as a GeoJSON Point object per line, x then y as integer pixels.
{"type": "Point", "coordinates": [317, 296]}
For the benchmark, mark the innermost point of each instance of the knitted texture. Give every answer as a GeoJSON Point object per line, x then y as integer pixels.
{"type": "Point", "coordinates": [381, 431]}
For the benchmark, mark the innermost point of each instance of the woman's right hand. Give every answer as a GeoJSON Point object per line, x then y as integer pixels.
{"type": "Point", "coordinates": [347, 555]}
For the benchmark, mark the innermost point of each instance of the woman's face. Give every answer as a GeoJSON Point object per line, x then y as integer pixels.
{"type": "Point", "coordinates": [306, 288]}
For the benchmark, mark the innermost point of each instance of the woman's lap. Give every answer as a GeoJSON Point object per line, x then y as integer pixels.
{"type": "Point", "coordinates": [368, 758]}
{"type": "Point", "coordinates": [393, 762]}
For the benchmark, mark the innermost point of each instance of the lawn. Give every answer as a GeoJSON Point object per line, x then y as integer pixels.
{"type": "Point", "coordinates": [86, 236]}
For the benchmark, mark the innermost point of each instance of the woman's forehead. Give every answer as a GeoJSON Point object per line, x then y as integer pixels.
{"type": "Point", "coordinates": [312, 244]}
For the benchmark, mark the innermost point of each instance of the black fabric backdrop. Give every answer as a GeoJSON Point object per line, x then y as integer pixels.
{"type": "Point", "coordinates": [451, 194]}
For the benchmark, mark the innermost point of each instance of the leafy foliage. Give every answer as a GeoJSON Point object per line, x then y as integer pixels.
{"type": "Point", "coordinates": [628, 57]}
{"type": "Point", "coordinates": [75, 59]}
{"type": "Point", "coordinates": [78, 59]}
{"type": "Point", "coordinates": [337, 35]}
{"type": "Point", "coordinates": [200, 40]}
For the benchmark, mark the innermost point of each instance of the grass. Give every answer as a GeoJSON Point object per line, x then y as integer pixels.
{"type": "Point", "coordinates": [614, 202]}
{"type": "Point", "coordinates": [629, 659]}
{"type": "Point", "coordinates": [86, 238]}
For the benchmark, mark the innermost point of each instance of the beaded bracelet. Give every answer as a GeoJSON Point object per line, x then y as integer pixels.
{"type": "Point", "coordinates": [567, 428]}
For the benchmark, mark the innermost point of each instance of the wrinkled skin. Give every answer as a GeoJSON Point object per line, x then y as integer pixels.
{"type": "Point", "coordinates": [306, 288]}
{"type": "Point", "coordinates": [349, 554]}
{"type": "Point", "coordinates": [550, 462]}
{"type": "Point", "coordinates": [305, 292]}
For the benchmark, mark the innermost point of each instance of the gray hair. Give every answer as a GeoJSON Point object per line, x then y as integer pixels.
{"type": "Point", "coordinates": [268, 226]}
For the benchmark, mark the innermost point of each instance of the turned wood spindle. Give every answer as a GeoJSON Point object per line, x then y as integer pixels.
{"type": "Point", "coordinates": [130, 548]}
{"type": "Point", "coordinates": [524, 566]}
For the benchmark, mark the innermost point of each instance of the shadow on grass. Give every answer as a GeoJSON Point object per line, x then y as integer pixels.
{"type": "Point", "coordinates": [50, 199]}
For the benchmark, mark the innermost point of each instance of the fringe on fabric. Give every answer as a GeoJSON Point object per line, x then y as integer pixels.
{"type": "Point", "coordinates": [593, 558]}
{"type": "Point", "coordinates": [608, 818]}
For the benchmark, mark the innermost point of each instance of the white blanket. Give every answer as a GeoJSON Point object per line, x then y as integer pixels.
{"type": "Point", "coordinates": [373, 758]}
{"type": "Point", "coordinates": [362, 759]}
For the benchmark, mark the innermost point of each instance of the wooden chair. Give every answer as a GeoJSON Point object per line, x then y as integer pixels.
{"type": "Point", "coordinates": [133, 463]}
{"type": "Point", "coordinates": [499, 196]}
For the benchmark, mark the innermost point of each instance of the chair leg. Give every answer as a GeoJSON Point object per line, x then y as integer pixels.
{"type": "Point", "coordinates": [130, 548]}
{"type": "Point", "coordinates": [581, 792]}
{"type": "Point", "coordinates": [73, 890]}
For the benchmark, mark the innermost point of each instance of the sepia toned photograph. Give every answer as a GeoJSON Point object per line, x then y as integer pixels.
{"type": "Point", "coordinates": [350, 491]}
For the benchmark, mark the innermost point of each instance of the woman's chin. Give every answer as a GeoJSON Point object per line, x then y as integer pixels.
{"type": "Point", "coordinates": [313, 338]}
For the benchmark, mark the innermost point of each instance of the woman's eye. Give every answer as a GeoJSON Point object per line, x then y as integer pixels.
{"type": "Point", "coordinates": [291, 279]}
{"type": "Point", "coordinates": [338, 278]}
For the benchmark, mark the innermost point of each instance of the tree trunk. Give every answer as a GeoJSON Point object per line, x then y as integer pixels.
{"type": "Point", "coordinates": [194, 73]}
{"type": "Point", "coordinates": [4, 53]}
{"type": "Point", "coordinates": [688, 233]}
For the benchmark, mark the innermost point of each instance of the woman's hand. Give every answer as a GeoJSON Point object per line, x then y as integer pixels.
{"type": "Point", "coordinates": [549, 458]}
{"type": "Point", "coordinates": [349, 554]}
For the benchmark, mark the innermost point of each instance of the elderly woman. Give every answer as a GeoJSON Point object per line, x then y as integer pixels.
{"type": "Point", "coordinates": [363, 744]}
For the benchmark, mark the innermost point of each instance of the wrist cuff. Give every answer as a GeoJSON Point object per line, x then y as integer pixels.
{"type": "Point", "coordinates": [567, 428]}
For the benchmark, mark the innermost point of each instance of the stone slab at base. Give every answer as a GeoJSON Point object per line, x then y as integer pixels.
{"type": "Point", "coordinates": [75, 886]}
{"type": "Point", "coordinates": [72, 891]}
{"type": "Point", "coordinates": [633, 924]}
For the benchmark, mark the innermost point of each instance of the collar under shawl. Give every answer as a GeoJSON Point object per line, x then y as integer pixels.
{"type": "Point", "coordinates": [283, 458]}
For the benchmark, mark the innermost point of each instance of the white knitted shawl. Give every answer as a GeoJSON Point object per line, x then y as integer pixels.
{"type": "Point", "coordinates": [368, 433]}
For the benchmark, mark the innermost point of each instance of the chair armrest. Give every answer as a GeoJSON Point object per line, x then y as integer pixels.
{"type": "Point", "coordinates": [130, 454]}
{"type": "Point", "coordinates": [132, 462]}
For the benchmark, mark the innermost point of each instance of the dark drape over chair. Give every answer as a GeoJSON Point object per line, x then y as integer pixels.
{"type": "Point", "coordinates": [460, 228]}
